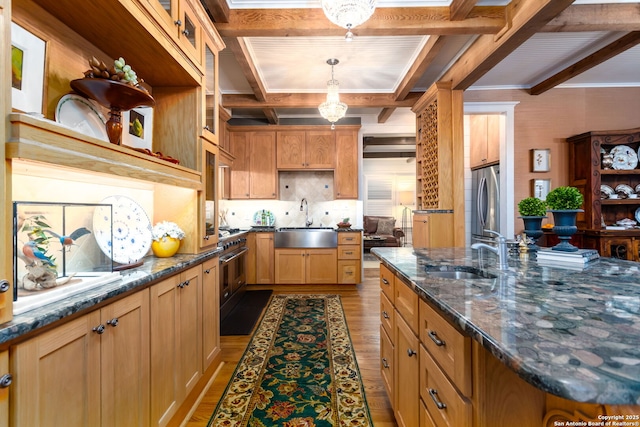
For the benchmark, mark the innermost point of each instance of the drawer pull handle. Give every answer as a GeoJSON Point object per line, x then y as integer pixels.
{"type": "Point", "coordinates": [411, 352]}
{"type": "Point", "coordinates": [385, 363]}
{"type": "Point", "coordinates": [434, 395]}
{"type": "Point", "coordinates": [385, 281]}
{"type": "Point", "coordinates": [385, 314]}
{"type": "Point", "coordinates": [348, 253]}
{"type": "Point", "coordinates": [435, 339]}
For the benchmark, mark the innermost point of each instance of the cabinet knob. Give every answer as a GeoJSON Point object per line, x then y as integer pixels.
{"type": "Point", "coordinates": [5, 380]}
{"type": "Point", "coordinates": [385, 281]}
{"type": "Point", "coordinates": [4, 286]}
{"type": "Point", "coordinates": [185, 32]}
{"type": "Point", "coordinates": [411, 352]}
{"type": "Point", "coordinates": [434, 396]}
{"type": "Point", "coordinates": [99, 329]}
{"type": "Point", "coordinates": [207, 128]}
{"type": "Point", "coordinates": [435, 339]}
{"type": "Point", "coordinates": [385, 314]}
{"type": "Point", "coordinates": [186, 283]}
{"type": "Point", "coordinates": [113, 322]}
{"type": "Point", "coordinates": [178, 22]}
{"type": "Point", "coordinates": [206, 237]}
{"type": "Point", "coordinates": [207, 271]}
{"type": "Point", "coordinates": [385, 363]}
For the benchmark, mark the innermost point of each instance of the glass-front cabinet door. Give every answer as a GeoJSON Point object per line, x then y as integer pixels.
{"type": "Point", "coordinates": [211, 94]}
{"type": "Point", "coordinates": [209, 197]}
{"type": "Point", "coordinates": [179, 20]}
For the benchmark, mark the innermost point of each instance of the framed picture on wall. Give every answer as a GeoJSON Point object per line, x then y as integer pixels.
{"type": "Point", "coordinates": [137, 128]}
{"type": "Point", "coordinates": [541, 188]}
{"type": "Point", "coordinates": [540, 160]}
{"type": "Point", "coordinates": [27, 70]}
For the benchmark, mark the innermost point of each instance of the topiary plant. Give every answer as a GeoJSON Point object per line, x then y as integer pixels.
{"type": "Point", "coordinates": [564, 198]}
{"type": "Point", "coordinates": [532, 206]}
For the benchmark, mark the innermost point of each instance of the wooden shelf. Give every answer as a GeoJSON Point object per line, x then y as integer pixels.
{"type": "Point", "coordinates": [47, 141]}
{"type": "Point", "coordinates": [619, 172]}
{"type": "Point", "coordinates": [621, 202]}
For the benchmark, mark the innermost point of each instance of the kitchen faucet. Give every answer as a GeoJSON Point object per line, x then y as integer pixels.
{"type": "Point", "coordinates": [304, 205]}
{"type": "Point", "coordinates": [500, 250]}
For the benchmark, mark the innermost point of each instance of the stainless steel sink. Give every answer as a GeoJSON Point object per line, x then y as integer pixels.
{"type": "Point", "coordinates": [307, 237]}
{"type": "Point", "coordinates": [458, 273]}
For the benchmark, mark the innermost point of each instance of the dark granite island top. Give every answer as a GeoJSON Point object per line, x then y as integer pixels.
{"type": "Point", "coordinates": [569, 332]}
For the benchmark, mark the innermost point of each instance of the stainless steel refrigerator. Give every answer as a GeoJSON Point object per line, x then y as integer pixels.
{"type": "Point", "coordinates": [485, 211]}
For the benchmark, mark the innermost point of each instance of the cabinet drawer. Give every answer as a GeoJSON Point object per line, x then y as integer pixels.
{"type": "Point", "coordinates": [349, 271]}
{"type": "Point", "coordinates": [425, 418]}
{"type": "Point", "coordinates": [386, 363]}
{"type": "Point", "coordinates": [387, 283]}
{"type": "Point", "coordinates": [448, 346]}
{"type": "Point", "coordinates": [387, 315]}
{"type": "Point", "coordinates": [349, 252]}
{"type": "Point", "coordinates": [444, 404]}
{"type": "Point", "coordinates": [406, 302]}
{"type": "Point", "coordinates": [349, 239]}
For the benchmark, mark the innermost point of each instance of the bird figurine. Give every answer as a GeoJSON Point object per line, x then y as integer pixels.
{"type": "Point", "coordinates": [31, 251]}
{"type": "Point", "coordinates": [71, 238]}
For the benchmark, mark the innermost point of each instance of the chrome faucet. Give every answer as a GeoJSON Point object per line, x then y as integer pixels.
{"type": "Point", "coordinates": [500, 250]}
{"type": "Point", "coordinates": [304, 206]}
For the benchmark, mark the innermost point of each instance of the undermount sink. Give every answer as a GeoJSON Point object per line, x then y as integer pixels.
{"type": "Point", "coordinates": [306, 237]}
{"type": "Point", "coordinates": [458, 273]}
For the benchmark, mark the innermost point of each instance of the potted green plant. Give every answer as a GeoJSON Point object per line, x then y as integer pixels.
{"type": "Point", "coordinates": [532, 211]}
{"type": "Point", "coordinates": [565, 203]}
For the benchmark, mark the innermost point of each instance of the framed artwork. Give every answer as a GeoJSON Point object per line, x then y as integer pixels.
{"type": "Point", "coordinates": [137, 128]}
{"type": "Point", "coordinates": [27, 70]}
{"type": "Point", "coordinates": [541, 160]}
{"type": "Point", "coordinates": [541, 188]}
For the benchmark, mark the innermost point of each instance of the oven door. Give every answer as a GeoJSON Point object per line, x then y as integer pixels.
{"type": "Point", "coordinates": [232, 279]}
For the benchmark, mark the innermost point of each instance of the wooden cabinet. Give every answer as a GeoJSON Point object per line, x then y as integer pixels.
{"type": "Point", "coordinates": [5, 382]}
{"type": "Point", "coordinates": [407, 379]}
{"type": "Point", "coordinates": [93, 370]}
{"type": "Point", "coordinates": [349, 257]}
{"type": "Point", "coordinates": [347, 160]}
{"type": "Point", "coordinates": [210, 313]}
{"type": "Point", "coordinates": [207, 206]}
{"type": "Point", "coordinates": [176, 342]}
{"type": "Point", "coordinates": [433, 230]}
{"type": "Point", "coordinates": [253, 174]}
{"type": "Point", "coordinates": [306, 150]}
{"type": "Point", "coordinates": [264, 253]}
{"type": "Point", "coordinates": [484, 139]}
{"type": "Point", "coordinates": [305, 266]}
{"type": "Point", "coordinates": [587, 173]}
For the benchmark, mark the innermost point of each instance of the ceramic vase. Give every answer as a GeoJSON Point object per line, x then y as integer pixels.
{"type": "Point", "coordinates": [165, 247]}
{"type": "Point", "coordinates": [565, 227]}
{"type": "Point", "coordinates": [533, 229]}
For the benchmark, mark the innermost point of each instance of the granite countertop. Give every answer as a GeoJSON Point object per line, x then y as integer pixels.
{"type": "Point", "coordinates": [152, 270]}
{"type": "Point", "coordinates": [571, 332]}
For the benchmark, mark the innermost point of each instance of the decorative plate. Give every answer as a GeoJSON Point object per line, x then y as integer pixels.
{"type": "Point", "coordinates": [624, 189]}
{"type": "Point", "coordinates": [638, 188]}
{"type": "Point", "coordinates": [605, 191]}
{"type": "Point", "coordinates": [130, 226]}
{"type": "Point", "coordinates": [270, 219]}
{"type": "Point", "coordinates": [624, 157]}
{"type": "Point", "coordinates": [82, 115]}
{"type": "Point", "coordinates": [637, 215]}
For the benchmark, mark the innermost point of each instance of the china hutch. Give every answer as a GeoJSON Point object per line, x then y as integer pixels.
{"type": "Point", "coordinates": [605, 163]}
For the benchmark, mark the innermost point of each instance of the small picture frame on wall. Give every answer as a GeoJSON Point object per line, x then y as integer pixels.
{"type": "Point", "coordinates": [27, 70]}
{"type": "Point", "coordinates": [137, 128]}
{"type": "Point", "coordinates": [540, 160]}
{"type": "Point", "coordinates": [541, 188]}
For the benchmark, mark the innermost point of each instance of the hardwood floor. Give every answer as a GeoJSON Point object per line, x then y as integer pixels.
{"type": "Point", "coordinates": [362, 307]}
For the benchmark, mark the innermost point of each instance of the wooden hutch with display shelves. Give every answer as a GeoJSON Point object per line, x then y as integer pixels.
{"type": "Point", "coordinates": [587, 174]}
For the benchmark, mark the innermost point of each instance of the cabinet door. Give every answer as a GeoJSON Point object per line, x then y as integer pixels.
{"type": "Point", "coordinates": [346, 172]}
{"type": "Point", "coordinates": [239, 186]}
{"type": "Point", "coordinates": [321, 266]}
{"type": "Point", "coordinates": [618, 247]}
{"type": "Point", "coordinates": [406, 380]}
{"type": "Point", "coordinates": [190, 31]}
{"type": "Point", "coordinates": [210, 92]}
{"type": "Point", "coordinates": [125, 361]}
{"type": "Point", "coordinates": [494, 132]}
{"type": "Point", "coordinates": [478, 140]}
{"type": "Point", "coordinates": [210, 312]}
{"type": "Point", "coordinates": [386, 363]}
{"type": "Point", "coordinates": [207, 223]}
{"type": "Point", "coordinates": [190, 329]}
{"type": "Point", "coordinates": [263, 175]}
{"type": "Point", "coordinates": [4, 388]}
{"type": "Point", "coordinates": [57, 376]}
{"type": "Point", "coordinates": [264, 259]}
{"type": "Point", "coordinates": [420, 232]}
{"type": "Point", "coordinates": [290, 150]}
{"type": "Point", "coordinates": [290, 266]}
{"type": "Point", "coordinates": [321, 150]}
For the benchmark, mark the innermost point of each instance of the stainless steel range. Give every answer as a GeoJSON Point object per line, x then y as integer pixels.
{"type": "Point", "coordinates": [232, 269]}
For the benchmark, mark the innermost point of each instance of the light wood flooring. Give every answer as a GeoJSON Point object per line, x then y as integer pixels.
{"type": "Point", "coordinates": [362, 307]}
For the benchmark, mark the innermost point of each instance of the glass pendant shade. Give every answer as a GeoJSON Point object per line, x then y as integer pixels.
{"type": "Point", "coordinates": [348, 13]}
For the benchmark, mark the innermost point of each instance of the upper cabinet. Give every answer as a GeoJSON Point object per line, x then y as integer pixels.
{"type": "Point", "coordinates": [346, 173]}
{"type": "Point", "coordinates": [306, 150]}
{"type": "Point", "coordinates": [253, 175]}
{"type": "Point", "coordinates": [484, 134]}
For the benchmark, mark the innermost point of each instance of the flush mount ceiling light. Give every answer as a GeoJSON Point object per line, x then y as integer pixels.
{"type": "Point", "coordinates": [348, 13]}
{"type": "Point", "coordinates": [332, 109]}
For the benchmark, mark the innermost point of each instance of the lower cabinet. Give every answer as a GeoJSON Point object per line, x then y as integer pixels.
{"type": "Point", "coordinates": [210, 312]}
{"type": "Point", "coordinates": [264, 259]}
{"type": "Point", "coordinates": [433, 230]}
{"type": "Point", "coordinates": [176, 347]}
{"type": "Point", "coordinates": [305, 266]}
{"type": "Point", "coordinates": [349, 257]}
{"type": "Point", "coordinates": [407, 379]}
{"type": "Point", "coordinates": [5, 382]}
{"type": "Point", "coordinates": [91, 371]}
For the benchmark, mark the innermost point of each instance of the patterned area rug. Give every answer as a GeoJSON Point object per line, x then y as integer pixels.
{"type": "Point", "coordinates": [299, 370]}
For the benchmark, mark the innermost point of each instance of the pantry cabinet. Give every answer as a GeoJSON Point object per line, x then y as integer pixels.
{"type": "Point", "coordinates": [93, 370]}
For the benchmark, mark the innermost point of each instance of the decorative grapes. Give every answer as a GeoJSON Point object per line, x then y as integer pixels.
{"type": "Point", "coordinates": [120, 71]}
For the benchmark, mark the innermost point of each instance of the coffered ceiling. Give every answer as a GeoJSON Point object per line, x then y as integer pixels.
{"type": "Point", "coordinates": [274, 66]}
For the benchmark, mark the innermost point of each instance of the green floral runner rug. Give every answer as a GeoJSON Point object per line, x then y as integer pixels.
{"type": "Point", "coordinates": [299, 370]}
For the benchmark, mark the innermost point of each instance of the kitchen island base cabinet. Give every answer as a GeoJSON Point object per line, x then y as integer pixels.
{"type": "Point", "coordinates": [91, 371]}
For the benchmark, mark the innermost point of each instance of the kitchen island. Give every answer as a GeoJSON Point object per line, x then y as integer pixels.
{"type": "Point", "coordinates": [573, 334]}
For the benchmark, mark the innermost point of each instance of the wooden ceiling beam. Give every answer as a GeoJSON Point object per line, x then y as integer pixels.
{"type": "Point", "coordinates": [312, 100]}
{"type": "Point", "coordinates": [241, 53]}
{"type": "Point", "coordinates": [386, 21]}
{"type": "Point", "coordinates": [487, 51]}
{"type": "Point", "coordinates": [270, 114]}
{"type": "Point", "coordinates": [596, 17]}
{"type": "Point", "coordinates": [423, 60]}
{"type": "Point", "coordinates": [460, 9]}
{"type": "Point", "coordinates": [385, 114]}
{"type": "Point", "coordinates": [626, 42]}
{"type": "Point", "coordinates": [218, 9]}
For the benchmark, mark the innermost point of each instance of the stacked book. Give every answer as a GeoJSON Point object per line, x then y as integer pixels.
{"type": "Point", "coordinates": [578, 258]}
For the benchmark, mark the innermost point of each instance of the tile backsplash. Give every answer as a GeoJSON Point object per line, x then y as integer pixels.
{"type": "Point", "coordinates": [314, 186]}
